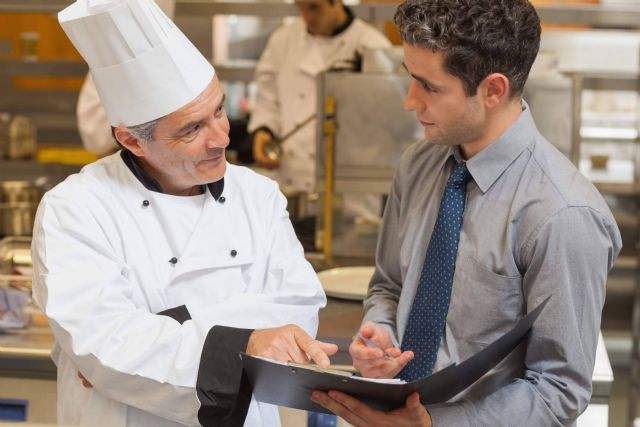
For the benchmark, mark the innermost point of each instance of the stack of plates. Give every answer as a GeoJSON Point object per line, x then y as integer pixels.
{"type": "Point", "coordinates": [346, 282]}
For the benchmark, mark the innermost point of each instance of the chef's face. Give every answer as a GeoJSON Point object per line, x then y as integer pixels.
{"type": "Point", "coordinates": [321, 16]}
{"type": "Point", "coordinates": [189, 144]}
{"type": "Point", "coordinates": [448, 115]}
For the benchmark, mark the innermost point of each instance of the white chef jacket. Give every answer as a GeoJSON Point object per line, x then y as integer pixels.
{"type": "Point", "coordinates": [101, 250]}
{"type": "Point", "coordinates": [286, 95]}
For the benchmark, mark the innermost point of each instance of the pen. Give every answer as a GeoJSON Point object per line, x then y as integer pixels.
{"type": "Point", "coordinates": [371, 343]}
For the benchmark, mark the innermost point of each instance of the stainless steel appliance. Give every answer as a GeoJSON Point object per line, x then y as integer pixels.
{"type": "Point", "coordinates": [372, 129]}
{"type": "Point", "coordinates": [18, 203]}
{"type": "Point", "coordinates": [22, 138]}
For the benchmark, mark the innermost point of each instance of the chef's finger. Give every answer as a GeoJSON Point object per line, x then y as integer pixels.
{"type": "Point", "coordinates": [312, 348]}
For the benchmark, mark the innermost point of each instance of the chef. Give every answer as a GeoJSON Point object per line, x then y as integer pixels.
{"type": "Point", "coordinates": [328, 35]}
{"type": "Point", "coordinates": [156, 266]}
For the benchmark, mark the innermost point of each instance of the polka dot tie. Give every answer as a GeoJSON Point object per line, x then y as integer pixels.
{"type": "Point", "coordinates": [431, 304]}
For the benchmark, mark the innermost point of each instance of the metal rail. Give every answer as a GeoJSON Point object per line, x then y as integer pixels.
{"type": "Point", "coordinates": [597, 15]}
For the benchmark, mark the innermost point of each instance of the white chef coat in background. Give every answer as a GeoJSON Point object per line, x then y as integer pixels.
{"type": "Point", "coordinates": [286, 93]}
{"type": "Point", "coordinates": [101, 270]}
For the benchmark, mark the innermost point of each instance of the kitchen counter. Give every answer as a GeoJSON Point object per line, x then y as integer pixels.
{"type": "Point", "coordinates": [25, 361]}
{"type": "Point", "coordinates": [27, 353]}
{"type": "Point", "coordinates": [17, 170]}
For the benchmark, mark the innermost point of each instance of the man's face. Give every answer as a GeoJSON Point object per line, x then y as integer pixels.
{"type": "Point", "coordinates": [321, 17]}
{"type": "Point", "coordinates": [447, 114]}
{"type": "Point", "coordinates": [189, 144]}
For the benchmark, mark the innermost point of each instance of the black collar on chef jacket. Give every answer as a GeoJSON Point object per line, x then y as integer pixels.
{"type": "Point", "coordinates": [151, 184]}
{"type": "Point", "coordinates": [342, 28]}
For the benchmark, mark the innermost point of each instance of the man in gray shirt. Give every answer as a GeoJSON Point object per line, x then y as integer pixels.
{"type": "Point", "coordinates": [528, 226]}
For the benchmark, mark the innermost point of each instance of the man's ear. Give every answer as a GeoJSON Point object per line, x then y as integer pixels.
{"type": "Point", "coordinates": [129, 141]}
{"type": "Point", "coordinates": [494, 89]}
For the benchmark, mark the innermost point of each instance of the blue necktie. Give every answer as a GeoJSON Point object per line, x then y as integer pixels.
{"type": "Point", "coordinates": [431, 304]}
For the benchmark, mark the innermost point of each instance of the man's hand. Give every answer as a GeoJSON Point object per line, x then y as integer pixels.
{"type": "Point", "coordinates": [370, 361]}
{"type": "Point", "coordinates": [289, 343]}
{"type": "Point", "coordinates": [360, 415]}
{"type": "Point", "coordinates": [261, 140]}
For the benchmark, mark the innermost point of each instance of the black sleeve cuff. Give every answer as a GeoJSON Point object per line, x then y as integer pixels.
{"type": "Point", "coordinates": [223, 388]}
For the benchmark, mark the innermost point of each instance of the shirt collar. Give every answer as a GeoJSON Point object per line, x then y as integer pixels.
{"type": "Point", "coordinates": [151, 184]}
{"type": "Point", "coordinates": [487, 166]}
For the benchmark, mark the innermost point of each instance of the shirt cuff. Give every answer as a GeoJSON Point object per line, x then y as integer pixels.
{"type": "Point", "coordinates": [222, 386]}
{"type": "Point", "coordinates": [451, 414]}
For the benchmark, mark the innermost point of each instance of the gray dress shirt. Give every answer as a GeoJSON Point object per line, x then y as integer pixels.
{"type": "Point", "coordinates": [533, 226]}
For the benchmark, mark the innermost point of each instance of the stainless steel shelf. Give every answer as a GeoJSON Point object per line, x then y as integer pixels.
{"type": "Point", "coordinates": [618, 81]}
{"type": "Point", "coordinates": [626, 262]}
{"type": "Point", "coordinates": [631, 189]}
{"type": "Point", "coordinates": [43, 68]}
{"type": "Point", "coordinates": [622, 16]}
{"type": "Point", "coordinates": [34, 6]}
{"type": "Point", "coordinates": [368, 12]}
{"type": "Point", "coordinates": [236, 70]}
{"type": "Point", "coordinates": [208, 7]}
{"type": "Point", "coordinates": [11, 170]}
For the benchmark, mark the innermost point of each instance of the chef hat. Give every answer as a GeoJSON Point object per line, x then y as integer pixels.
{"type": "Point", "coordinates": [142, 65]}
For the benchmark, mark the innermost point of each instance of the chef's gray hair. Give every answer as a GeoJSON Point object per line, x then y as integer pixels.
{"type": "Point", "coordinates": [476, 37]}
{"type": "Point", "coordinates": [145, 131]}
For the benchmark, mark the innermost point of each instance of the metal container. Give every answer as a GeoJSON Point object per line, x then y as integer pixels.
{"type": "Point", "coordinates": [5, 121]}
{"type": "Point", "coordinates": [22, 139]}
{"type": "Point", "coordinates": [12, 192]}
{"type": "Point", "coordinates": [17, 219]}
{"type": "Point", "coordinates": [295, 203]}
{"type": "Point", "coordinates": [15, 254]}
{"type": "Point", "coordinates": [18, 203]}
{"type": "Point", "coordinates": [300, 204]}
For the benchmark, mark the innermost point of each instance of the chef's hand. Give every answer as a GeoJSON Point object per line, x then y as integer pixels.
{"type": "Point", "coordinates": [360, 415]}
{"type": "Point", "coordinates": [260, 141]}
{"type": "Point", "coordinates": [370, 361]}
{"type": "Point", "coordinates": [289, 343]}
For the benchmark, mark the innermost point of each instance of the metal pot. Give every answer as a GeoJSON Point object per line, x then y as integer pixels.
{"type": "Point", "coordinates": [17, 219]}
{"type": "Point", "coordinates": [18, 203]}
{"type": "Point", "coordinates": [300, 204]}
{"type": "Point", "coordinates": [12, 192]}
{"type": "Point", "coordinates": [295, 203]}
{"type": "Point", "coordinates": [22, 138]}
{"type": "Point", "coordinates": [5, 120]}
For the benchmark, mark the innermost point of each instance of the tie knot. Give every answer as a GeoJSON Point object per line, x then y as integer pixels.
{"type": "Point", "coordinates": [459, 176]}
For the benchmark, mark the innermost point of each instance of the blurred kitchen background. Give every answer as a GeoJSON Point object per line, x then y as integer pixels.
{"type": "Point", "coordinates": [583, 92]}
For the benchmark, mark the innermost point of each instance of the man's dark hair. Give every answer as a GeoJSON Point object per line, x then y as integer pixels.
{"type": "Point", "coordinates": [476, 37]}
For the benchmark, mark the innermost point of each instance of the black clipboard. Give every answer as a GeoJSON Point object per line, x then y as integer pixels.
{"type": "Point", "coordinates": [291, 386]}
